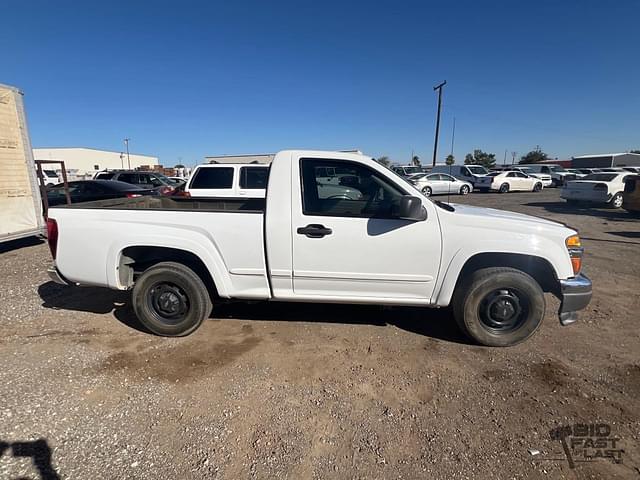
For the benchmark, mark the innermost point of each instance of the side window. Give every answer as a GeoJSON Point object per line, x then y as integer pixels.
{"type": "Point", "coordinates": [465, 171]}
{"type": "Point", "coordinates": [359, 192]}
{"type": "Point", "coordinates": [512, 174]}
{"type": "Point", "coordinates": [256, 177]}
{"type": "Point", "coordinates": [128, 177]}
{"type": "Point", "coordinates": [104, 176]}
{"type": "Point", "coordinates": [208, 177]}
{"type": "Point", "coordinates": [155, 181]}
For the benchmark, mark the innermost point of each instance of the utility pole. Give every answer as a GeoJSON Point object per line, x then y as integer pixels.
{"type": "Point", "coordinates": [513, 157]}
{"type": "Point", "coordinates": [453, 134]}
{"type": "Point", "coordinates": [435, 143]}
{"type": "Point", "coordinates": [122, 160]}
{"type": "Point", "coordinates": [126, 143]}
{"type": "Point", "coordinates": [505, 157]}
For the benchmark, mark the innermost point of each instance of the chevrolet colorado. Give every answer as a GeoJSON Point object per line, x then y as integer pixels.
{"type": "Point", "coordinates": [367, 237]}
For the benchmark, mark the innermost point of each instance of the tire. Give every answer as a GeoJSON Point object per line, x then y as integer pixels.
{"type": "Point", "coordinates": [180, 290]}
{"type": "Point", "coordinates": [464, 190]}
{"type": "Point", "coordinates": [616, 201]}
{"type": "Point", "coordinates": [504, 188]}
{"type": "Point", "coordinates": [426, 191]}
{"type": "Point", "coordinates": [537, 187]}
{"type": "Point", "coordinates": [490, 292]}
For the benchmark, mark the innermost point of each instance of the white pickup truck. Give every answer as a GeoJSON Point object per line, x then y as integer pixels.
{"type": "Point", "coordinates": [387, 245]}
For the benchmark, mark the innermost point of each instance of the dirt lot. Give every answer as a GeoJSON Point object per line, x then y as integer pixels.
{"type": "Point", "coordinates": [317, 391]}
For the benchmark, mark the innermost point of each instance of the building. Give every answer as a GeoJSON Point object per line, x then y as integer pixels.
{"type": "Point", "coordinates": [252, 158]}
{"type": "Point", "coordinates": [606, 160]}
{"type": "Point", "coordinates": [81, 161]}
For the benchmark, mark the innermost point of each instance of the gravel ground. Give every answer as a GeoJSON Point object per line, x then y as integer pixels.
{"type": "Point", "coordinates": [317, 391]}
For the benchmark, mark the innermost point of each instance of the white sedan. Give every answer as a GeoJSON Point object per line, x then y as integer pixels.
{"type": "Point", "coordinates": [509, 181]}
{"type": "Point", "coordinates": [602, 187]}
{"type": "Point", "coordinates": [440, 183]}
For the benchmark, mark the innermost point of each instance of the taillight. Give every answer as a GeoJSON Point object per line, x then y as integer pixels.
{"type": "Point", "coordinates": [600, 186]}
{"type": "Point", "coordinates": [165, 190]}
{"type": "Point", "coordinates": [574, 246]}
{"type": "Point", "coordinates": [133, 195]}
{"type": "Point", "coordinates": [52, 236]}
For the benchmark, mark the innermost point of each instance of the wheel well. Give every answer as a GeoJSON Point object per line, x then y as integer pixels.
{"type": "Point", "coordinates": [135, 260]}
{"type": "Point", "coordinates": [539, 268]}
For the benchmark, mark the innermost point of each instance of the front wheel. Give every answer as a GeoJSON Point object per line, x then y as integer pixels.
{"type": "Point", "coordinates": [537, 187]}
{"type": "Point", "coordinates": [464, 189]}
{"type": "Point", "coordinates": [499, 307]}
{"type": "Point", "coordinates": [617, 200]}
{"type": "Point", "coordinates": [171, 300]}
{"type": "Point", "coordinates": [427, 191]}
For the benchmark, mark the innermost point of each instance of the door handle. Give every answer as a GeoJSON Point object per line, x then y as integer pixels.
{"type": "Point", "coordinates": [314, 231]}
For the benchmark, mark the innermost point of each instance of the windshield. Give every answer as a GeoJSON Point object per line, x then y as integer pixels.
{"type": "Point", "coordinates": [418, 176]}
{"type": "Point", "coordinates": [410, 170]}
{"type": "Point", "coordinates": [493, 174]}
{"type": "Point", "coordinates": [477, 169]}
{"type": "Point", "coordinates": [555, 168]}
{"type": "Point", "coordinates": [601, 177]}
{"type": "Point", "coordinates": [50, 173]}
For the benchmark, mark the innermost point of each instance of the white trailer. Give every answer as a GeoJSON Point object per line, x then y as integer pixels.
{"type": "Point", "coordinates": [20, 201]}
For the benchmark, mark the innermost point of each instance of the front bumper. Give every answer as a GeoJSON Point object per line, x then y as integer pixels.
{"type": "Point", "coordinates": [575, 294]}
{"type": "Point", "coordinates": [56, 276]}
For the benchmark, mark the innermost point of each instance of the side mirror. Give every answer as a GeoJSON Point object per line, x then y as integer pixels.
{"type": "Point", "coordinates": [411, 208]}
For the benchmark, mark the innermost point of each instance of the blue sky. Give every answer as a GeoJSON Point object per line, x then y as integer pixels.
{"type": "Point", "coordinates": [188, 79]}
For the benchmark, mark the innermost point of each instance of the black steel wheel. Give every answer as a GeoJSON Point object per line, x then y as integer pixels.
{"type": "Point", "coordinates": [498, 307]}
{"type": "Point", "coordinates": [171, 300]}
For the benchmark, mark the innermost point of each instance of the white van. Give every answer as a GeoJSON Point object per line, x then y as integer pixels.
{"type": "Point", "coordinates": [466, 173]}
{"type": "Point", "coordinates": [228, 180]}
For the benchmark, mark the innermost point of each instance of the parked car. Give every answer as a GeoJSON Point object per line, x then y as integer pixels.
{"type": "Point", "coordinates": [559, 176]}
{"type": "Point", "coordinates": [605, 188]}
{"type": "Point", "coordinates": [509, 181]}
{"type": "Point", "coordinates": [632, 169]}
{"type": "Point", "coordinates": [631, 195]}
{"type": "Point", "coordinates": [90, 190]}
{"type": "Point", "coordinates": [441, 183]}
{"type": "Point", "coordinates": [406, 170]}
{"type": "Point", "coordinates": [390, 246]}
{"type": "Point", "coordinates": [466, 173]}
{"type": "Point", "coordinates": [545, 178]}
{"type": "Point", "coordinates": [177, 181]}
{"type": "Point", "coordinates": [578, 173]}
{"type": "Point", "coordinates": [147, 180]}
{"type": "Point", "coordinates": [228, 180]}
{"type": "Point", "coordinates": [50, 178]}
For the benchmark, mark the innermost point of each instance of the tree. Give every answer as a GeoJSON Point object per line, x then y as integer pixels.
{"type": "Point", "coordinates": [534, 156]}
{"type": "Point", "coordinates": [479, 157]}
{"type": "Point", "coordinates": [179, 166]}
{"type": "Point", "coordinates": [415, 160]}
{"type": "Point", "coordinates": [450, 160]}
{"type": "Point", "coordinates": [384, 160]}
{"type": "Point", "coordinates": [634, 151]}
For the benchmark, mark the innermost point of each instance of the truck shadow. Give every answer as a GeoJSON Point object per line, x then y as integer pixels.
{"type": "Point", "coordinates": [40, 453]}
{"type": "Point", "coordinates": [434, 323]}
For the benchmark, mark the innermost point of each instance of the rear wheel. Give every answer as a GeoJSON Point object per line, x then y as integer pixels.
{"type": "Point", "coordinates": [464, 189]}
{"type": "Point", "coordinates": [171, 300]}
{"type": "Point", "coordinates": [499, 307]}
{"type": "Point", "coordinates": [427, 191]}
{"type": "Point", "coordinates": [504, 188]}
{"type": "Point", "coordinates": [616, 201]}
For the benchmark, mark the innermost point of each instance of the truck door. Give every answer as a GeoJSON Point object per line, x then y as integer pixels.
{"type": "Point", "coordinates": [349, 245]}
